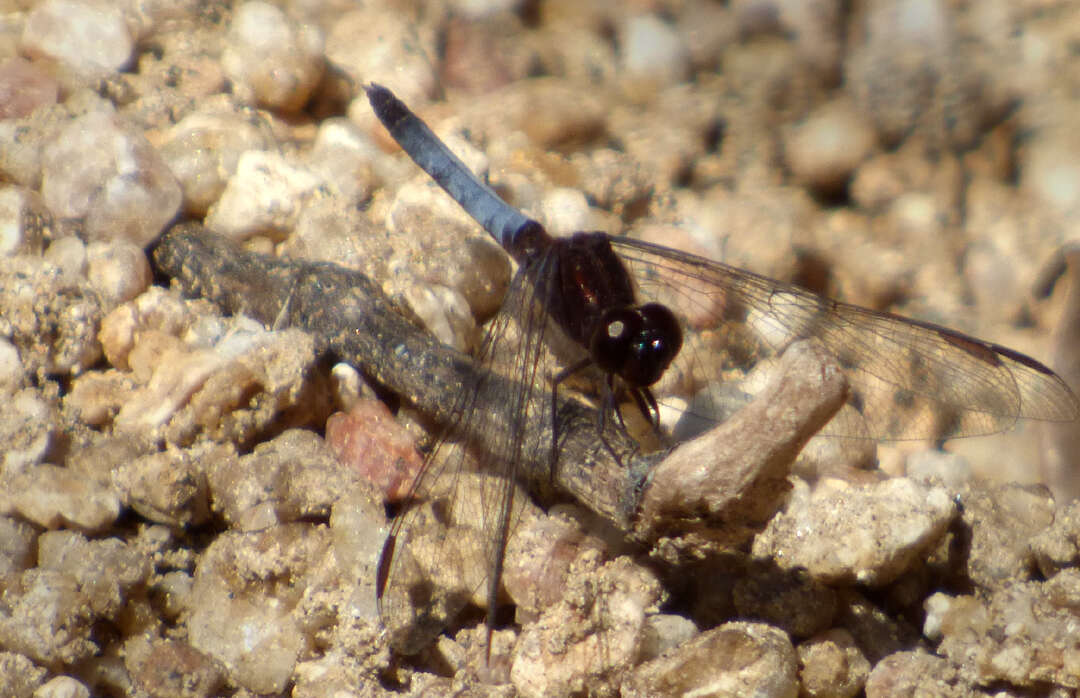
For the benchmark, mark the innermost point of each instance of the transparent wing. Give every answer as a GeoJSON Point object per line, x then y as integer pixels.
{"type": "Point", "coordinates": [908, 379]}
{"type": "Point", "coordinates": [445, 550]}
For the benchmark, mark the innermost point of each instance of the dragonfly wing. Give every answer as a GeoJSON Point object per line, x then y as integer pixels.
{"type": "Point", "coordinates": [908, 379]}
{"type": "Point", "coordinates": [445, 550]}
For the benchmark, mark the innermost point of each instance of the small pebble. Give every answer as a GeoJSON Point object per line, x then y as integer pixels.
{"type": "Point", "coordinates": [24, 220]}
{"type": "Point", "coordinates": [271, 58]}
{"type": "Point", "coordinates": [106, 569]}
{"type": "Point", "coordinates": [23, 88]}
{"type": "Point", "coordinates": [18, 675]}
{"type": "Point", "coordinates": [1002, 520]}
{"type": "Point", "coordinates": [825, 149]}
{"type": "Point", "coordinates": [1058, 545]}
{"type": "Point", "coordinates": [917, 673]}
{"type": "Point", "coordinates": [1049, 169]}
{"type": "Point", "coordinates": [11, 369]}
{"type": "Point", "coordinates": [565, 211]}
{"type": "Point", "coordinates": [156, 309]}
{"type": "Point", "coordinates": [663, 632]}
{"type": "Point", "coordinates": [47, 618]}
{"type": "Point", "coordinates": [866, 533]}
{"type": "Point", "coordinates": [382, 44]}
{"type": "Point", "coordinates": [586, 638]}
{"type": "Point", "coordinates": [263, 197]}
{"type": "Point", "coordinates": [27, 429]}
{"type": "Point", "coordinates": [111, 177]}
{"type": "Point", "coordinates": [539, 556]}
{"type": "Point", "coordinates": [203, 150]}
{"type": "Point", "coordinates": [369, 440]}
{"type": "Point", "coordinates": [18, 545]}
{"type": "Point", "coordinates": [118, 270]}
{"type": "Point", "coordinates": [342, 155]}
{"type": "Point", "coordinates": [243, 616]}
{"type": "Point", "coordinates": [652, 51]}
{"type": "Point", "coordinates": [359, 526]}
{"type": "Point", "coordinates": [91, 37]}
{"type": "Point", "coordinates": [1022, 635]}
{"type": "Point", "coordinates": [52, 497]}
{"type": "Point", "coordinates": [68, 253]}
{"type": "Point", "coordinates": [832, 666]}
{"type": "Point", "coordinates": [171, 667]}
{"type": "Point", "coordinates": [167, 487]}
{"type": "Point", "coordinates": [289, 478]}
{"type": "Point", "coordinates": [748, 658]}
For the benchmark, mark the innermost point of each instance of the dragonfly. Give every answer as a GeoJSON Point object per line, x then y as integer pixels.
{"type": "Point", "coordinates": [623, 321]}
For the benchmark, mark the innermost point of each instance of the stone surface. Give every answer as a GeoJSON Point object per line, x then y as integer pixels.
{"type": "Point", "coordinates": [51, 496]}
{"type": "Point", "coordinates": [118, 271]}
{"type": "Point", "coordinates": [828, 146]}
{"type": "Point", "coordinates": [170, 667]}
{"type": "Point", "coordinates": [50, 318]}
{"type": "Point", "coordinates": [1023, 635]}
{"type": "Point", "coordinates": [914, 673]}
{"type": "Point", "coordinates": [271, 58]}
{"type": "Point", "coordinates": [1003, 520]}
{"type": "Point", "coordinates": [595, 629]}
{"type": "Point", "coordinates": [19, 677]}
{"type": "Point", "coordinates": [23, 88]}
{"type": "Point", "coordinates": [733, 659]}
{"type": "Point", "coordinates": [369, 441]}
{"type": "Point", "coordinates": [104, 172]}
{"type": "Point", "coordinates": [293, 477]}
{"type": "Point", "coordinates": [1057, 546]}
{"type": "Point", "coordinates": [832, 666]}
{"type": "Point", "coordinates": [23, 221]}
{"type": "Point", "coordinates": [203, 150]}
{"type": "Point", "coordinates": [263, 197]}
{"type": "Point", "coordinates": [165, 495]}
{"type": "Point", "coordinates": [92, 37]}
{"type": "Point", "coordinates": [788, 599]}
{"type": "Point", "coordinates": [254, 627]}
{"type": "Point", "coordinates": [28, 429]}
{"type": "Point", "coordinates": [869, 534]}
{"type": "Point", "coordinates": [47, 618]}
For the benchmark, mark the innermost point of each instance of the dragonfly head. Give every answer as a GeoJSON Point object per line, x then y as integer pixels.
{"type": "Point", "coordinates": [637, 344]}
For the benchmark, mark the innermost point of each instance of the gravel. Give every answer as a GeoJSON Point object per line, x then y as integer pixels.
{"type": "Point", "coordinates": [192, 502]}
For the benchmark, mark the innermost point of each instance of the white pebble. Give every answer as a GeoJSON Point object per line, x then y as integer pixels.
{"type": "Point", "coordinates": [376, 44]}
{"type": "Point", "coordinates": [91, 37]}
{"type": "Point", "coordinates": [824, 150]}
{"type": "Point", "coordinates": [118, 271]}
{"type": "Point", "coordinates": [11, 368]}
{"type": "Point", "coordinates": [1049, 169]}
{"type": "Point", "coordinates": [23, 217]}
{"type": "Point", "coordinates": [342, 155]}
{"type": "Point", "coordinates": [565, 211]}
{"type": "Point", "coordinates": [264, 196]}
{"type": "Point", "coordinates": [62, 687]}
{"type": "Point", "coordinates": [26, 431]}
{"type": "Point", "coordinates": [272, 59]}
{"type": "Point", "coordinates": [652, 49]}
{"type": "Point", "coordinates": [51, 497]}
{"type": "Point", "coordinates": [68, 253]}
{"type": "Point", "coordinates": [111, 177]}
{"type": "Point", "coordinates": [204, 149]}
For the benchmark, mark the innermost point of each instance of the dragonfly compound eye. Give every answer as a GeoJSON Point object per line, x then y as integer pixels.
{"type": "Point", "coordinates": [637, 344]}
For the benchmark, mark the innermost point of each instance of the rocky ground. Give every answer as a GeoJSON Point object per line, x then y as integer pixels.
{"type": "Point", "coordinates": [192, 484]}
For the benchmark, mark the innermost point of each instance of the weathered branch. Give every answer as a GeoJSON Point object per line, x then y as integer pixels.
{"type": "Point", "coordinates": [731, 475]}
